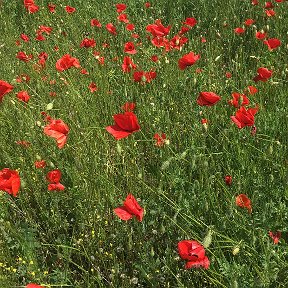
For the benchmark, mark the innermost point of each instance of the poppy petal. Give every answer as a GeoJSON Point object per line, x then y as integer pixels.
{"type": "Point", "coordinates": [117, 132]}
{"type": "Point", "coordinates": [122, 213]}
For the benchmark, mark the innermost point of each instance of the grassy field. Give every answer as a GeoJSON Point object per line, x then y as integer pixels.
{"type": "Point", "coordinates": [72, 237]}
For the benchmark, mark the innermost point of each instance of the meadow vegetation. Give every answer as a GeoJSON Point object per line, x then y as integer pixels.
{"type": "Point", "coordinates": [63, 230]}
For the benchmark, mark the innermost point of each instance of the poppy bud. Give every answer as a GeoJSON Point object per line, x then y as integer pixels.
{"type": "Point", "coordinates": [119, 148]}
{"type": "Point", "coordinates": [228, 180]}
{"type": "Point", "coordinates": [165, 164]}
{"type": "Point", "coordinates": [235, 250]}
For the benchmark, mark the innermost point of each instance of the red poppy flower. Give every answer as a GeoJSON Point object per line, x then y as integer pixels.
{"type": "Point", "coordinates": [252, 90]}
{"type": "Point", "coordinates": [270, 13]}
{"type": "Point", "coordinates": [157, 29]}
{"type": "Point", "coordinates": [129, 209]}
{"type": "Point", "coordinates": [43, 56]}
{"type": "Point", "coordinates": [208, 99]}
{"type": "Point", "coordinates": [123, 18]}
{"type": "Point", "coordinates": [239, 30]}
{"type": "Point", "coordinates": [161, 42]}
{"type": "Point", "coordinates": [188, 60]}
{"type": "Point", "coordinates": [45, 29]}
{"type": "Point", "coordinates": [52, 8]}
{"type": "Point", "coordinates": [88, 43]}
{"type": "Point", "coordinates": [244, 202]}
{"type": "Point", "coordinates": [260, 35]}
{"type": "Point", "coordinates": [40, 37]}
{"type": "Point", "coordinates": [95, 23]}
{"type": "Point", "coordinates": [130, 27]}
{"type": "Point", "coordinates": [263, 74]}
{"type": "Point", "coordinates": [10, 181]}
{"type": "Point", "coordinates": [59, 130]}
{"type": "Point", "coordinates": [144, 77]}
{"type": "Point", "coordinates": [84, 72]}
{"type": "Point", "coordinates": [135, 36]}
{"type": "Point", "coordinates": [125, 124]}
{"type": "Point", "coordinates": [70, 9]}
{"type": "Point", "coordinates": [228, 180]}
{"type": "Point", "coordinates": [244, 117]}
{"type": "Point", "coordinates": [183, 30]}
{"type": "Point", "coordinates": [160, 139]}
{"type": "Point", "coordinates": [93, 87]}
{"type": "Point", "coordinates": [120, 7]}
{"type": "Point", "coordinates": [249, 22]}
{"type": "Point", "coordinates": [228, 75]}
{"type": "Point", "coordinates": [129, 107]}
{"type": "Point", "coordinates": [268, 5]}
{"type": "Point", "coordinates": [56, 187]}
{"type": "Point", "coordinates": [194, 252]}
{"type": "Point", "coordinates": [272, 43]}
{"type": "Point", "coordinates": [31, 6]}
{"type": "Point", "coordinates": [190, 22]}
{"type": "Point", "coordinates": [154, 58]}
{"type": "Point", "coordinates": [204, 121]}
{"type": "Point", "coordinates": [40, 164]}
{"type": "Point", "coordinates": [254, 2]}
{"type": "Point", "coordinates": [54, 176]}
{"type": "Point", "coordinates": [178, 41]}
{"type": "Point", "coordinates": [4, 89]}
{"type": "Point", "coordinates": [33, 285]}
{"type": "Point", "coordinates": [67, 62]}
{"type": "Point", "coordinates": [238, 100]}
{"type": "Point", "coordinates": [128, 64]}
{"type": "Point", "coordinates": [129, 48]}
{"type": "Point", "coordinates": [24, 57]}
{"type": "Point", "coordinates": [25, 37]}
{"type": "Point", "coordinates": [147, 4]}
{"type": "Point", "coordinates": [23, 96]}
{"type": "Point", "coordinates": [111, 28]}
{"type": "Point", "coordinates": [275, 236]}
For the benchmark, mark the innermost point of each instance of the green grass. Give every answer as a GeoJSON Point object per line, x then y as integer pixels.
{"type": "Point", "coordinates": [73, 238]}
